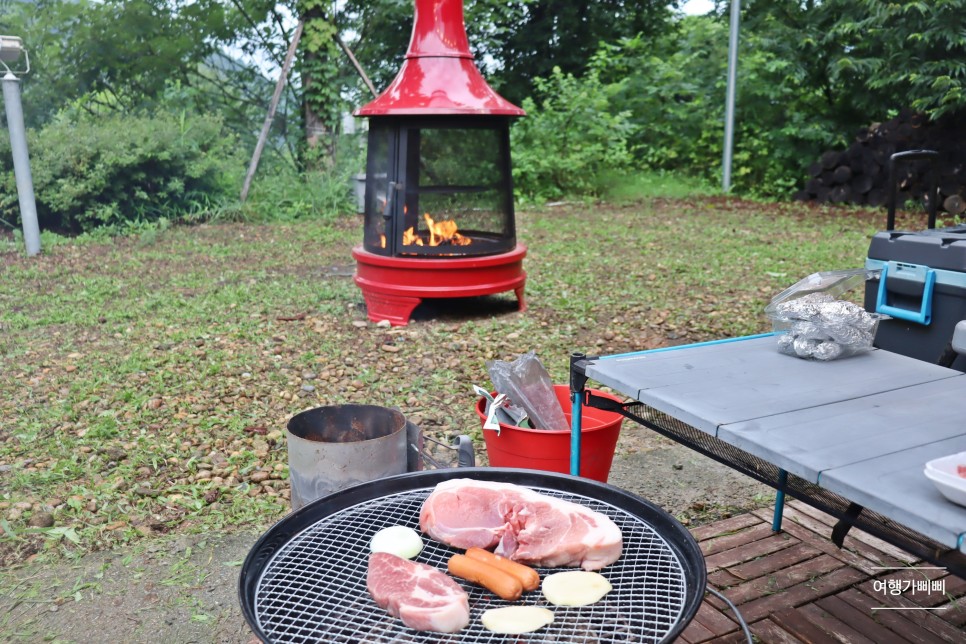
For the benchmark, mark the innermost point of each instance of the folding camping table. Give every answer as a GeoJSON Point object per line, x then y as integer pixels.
{"type": "Point", "coordinates": [850, 436]}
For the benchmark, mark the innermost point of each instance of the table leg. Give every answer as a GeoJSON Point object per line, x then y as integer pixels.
{"type": "Point", "coordinates": [576, 408]}
{"type": "Point", "coordinates": [776, 523]}
{"type": "Point", "coordinates": [578, 380]}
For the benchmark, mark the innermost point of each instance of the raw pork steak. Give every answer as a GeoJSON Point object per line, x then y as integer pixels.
{"type": "Point", "coordinates": [520, 524]}
{"type": "Point", "coordinates": [424, 598]}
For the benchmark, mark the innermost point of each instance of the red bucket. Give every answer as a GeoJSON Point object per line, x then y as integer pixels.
{"type": "Point", "coordinates": [549, 450]}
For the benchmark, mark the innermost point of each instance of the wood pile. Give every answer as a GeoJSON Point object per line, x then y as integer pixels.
{"type": "Point", "coordinates": [860, 174]}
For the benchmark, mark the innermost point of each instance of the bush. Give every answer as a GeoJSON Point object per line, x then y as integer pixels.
{"type": "Point", "coordinates": [322, 190]}
{"type": "Point", "coordinates": [114, 169]}
{"type": "Point", "coordinates": [569, 142]}
{"type": "Point", "coordinates": [284, 194]}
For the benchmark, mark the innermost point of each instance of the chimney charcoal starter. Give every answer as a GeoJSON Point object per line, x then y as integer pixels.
{"type": "Point", "coordinates": [439, 219]}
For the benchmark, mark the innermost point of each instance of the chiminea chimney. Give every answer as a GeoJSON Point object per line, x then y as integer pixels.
{"type": "Point", "coordinates": [439, 75]}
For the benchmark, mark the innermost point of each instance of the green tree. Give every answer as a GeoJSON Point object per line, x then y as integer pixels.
{"type": "Point", "coordinates": [380, 31]}
{"type": "Point", "coordinates": [672, 87]}
{"type": "Point", "coordinates": [809, 75]}
{"type": "Point", "coordinates": [565, 35]}
{"type": "Point", "coordinates": [870, 57]}
{"type": "Point", "coordinates": [514, 41]}
{"type": "Point", "coordinates": [115, 55]}
{"type": "Point", "coordinates": [322, 98]}
{"type": "Point", "coordinates": [142, 56]}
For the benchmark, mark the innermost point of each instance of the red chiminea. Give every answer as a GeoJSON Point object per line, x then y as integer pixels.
{"type": "Point", "coordinates": [439, 219]}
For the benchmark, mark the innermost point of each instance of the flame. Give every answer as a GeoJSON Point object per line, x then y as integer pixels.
{"type": "Point", "coordinates": [440, 232]}
{"type": "Point", "coordinates": [444, 232]}
{"type": "Point", "coordinates": [410, 237]}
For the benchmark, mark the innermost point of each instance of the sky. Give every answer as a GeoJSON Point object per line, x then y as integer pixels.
{"type": "Point", "coordinates": [698, 7]}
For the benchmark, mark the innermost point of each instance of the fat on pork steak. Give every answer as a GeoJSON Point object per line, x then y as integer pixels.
{"type": "Point", "coordinates": [520, 524]}
{"type": "Point", "coordinates": [424, 598]}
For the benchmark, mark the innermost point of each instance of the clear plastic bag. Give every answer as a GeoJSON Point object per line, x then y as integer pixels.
{"type": "Point", "coordinates": [526, 382]}
{"type": "Point", "coordinates": [812, 322]}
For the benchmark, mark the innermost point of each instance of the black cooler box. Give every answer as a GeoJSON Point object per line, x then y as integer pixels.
{"type": "Point", "coordinates": [922, 286]}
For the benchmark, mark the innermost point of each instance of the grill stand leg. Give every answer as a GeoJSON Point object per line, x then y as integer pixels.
{"type": "Point", "coordinates": [776, 523]}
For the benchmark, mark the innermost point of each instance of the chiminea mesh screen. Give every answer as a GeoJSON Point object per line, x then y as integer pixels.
{"type": "Point", "coordinates": [439, 188]}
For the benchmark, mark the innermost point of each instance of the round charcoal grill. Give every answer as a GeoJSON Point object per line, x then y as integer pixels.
{"type": "Point", "coordinates": [305, 579]}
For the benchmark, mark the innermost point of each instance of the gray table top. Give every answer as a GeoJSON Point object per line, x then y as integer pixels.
{"type": "Point", "coordinates": [716, 384]}
{"type": "Point", "coordinates": [862, 426]}
{"type": "Point", "coordinates": [893, 485]}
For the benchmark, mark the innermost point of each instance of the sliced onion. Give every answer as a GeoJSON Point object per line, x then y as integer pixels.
{"type": "Point", "coordinates": [398, 540]}
{"type": "Point", "coordinates": [575, 588]}
{"type": "Point", "coordinates": [513, 620]}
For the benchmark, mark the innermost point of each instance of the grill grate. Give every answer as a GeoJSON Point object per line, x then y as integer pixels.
{"type": "Point", "coordinates": [314, 587]}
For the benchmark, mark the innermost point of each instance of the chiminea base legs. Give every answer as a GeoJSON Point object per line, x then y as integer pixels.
{"type": "Point", "coordinates": [394, 286]}
{"type": "Point", "coordinates": [395, 308]}
{"type": "Point", "coordinates": [398, 310]}
{"type": "Point", "coordinates": [521, 303]}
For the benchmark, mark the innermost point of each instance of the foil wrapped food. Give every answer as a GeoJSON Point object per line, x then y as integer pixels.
{"type": "Point", "coordinates": [820, 327]}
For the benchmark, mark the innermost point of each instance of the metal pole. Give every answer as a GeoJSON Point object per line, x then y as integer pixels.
{"type": "Point", "coordinates": [730, 101]}
{"type": "Point", "coordinates": [355, 63]}
{"type": "Point", "coordinates": [273, 105]}
{"type": "Point", "coordinates": [21, 163]}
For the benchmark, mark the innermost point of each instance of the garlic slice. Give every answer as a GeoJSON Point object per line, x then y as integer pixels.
{"type": "Point", "coordinates": [575, 588]}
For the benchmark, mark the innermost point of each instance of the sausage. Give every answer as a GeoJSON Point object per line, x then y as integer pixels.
{"type": "Point", "coordinates": [529, 578]}
{"type": "Point", "coordinates": [502, 584]}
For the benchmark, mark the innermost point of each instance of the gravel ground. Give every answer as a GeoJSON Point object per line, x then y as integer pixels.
{"type": "Point", "coordinates": [146, 383]}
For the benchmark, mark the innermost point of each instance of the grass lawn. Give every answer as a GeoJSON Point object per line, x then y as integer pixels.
{"type": "Point", "coordinates": [145, 382]}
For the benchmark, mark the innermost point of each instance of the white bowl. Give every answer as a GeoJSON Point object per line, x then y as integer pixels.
{"type": "Point", "coordinates": [952, 486]}
{"type": "Point", "coordinates": [947, 464]}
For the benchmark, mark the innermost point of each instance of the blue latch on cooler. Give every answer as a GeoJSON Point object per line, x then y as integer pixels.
{"type": "Point", "coordinates": [913, 273]}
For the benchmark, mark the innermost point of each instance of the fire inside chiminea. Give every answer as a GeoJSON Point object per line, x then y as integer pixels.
{"type": "Point", "coordinates": [438, 180]}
